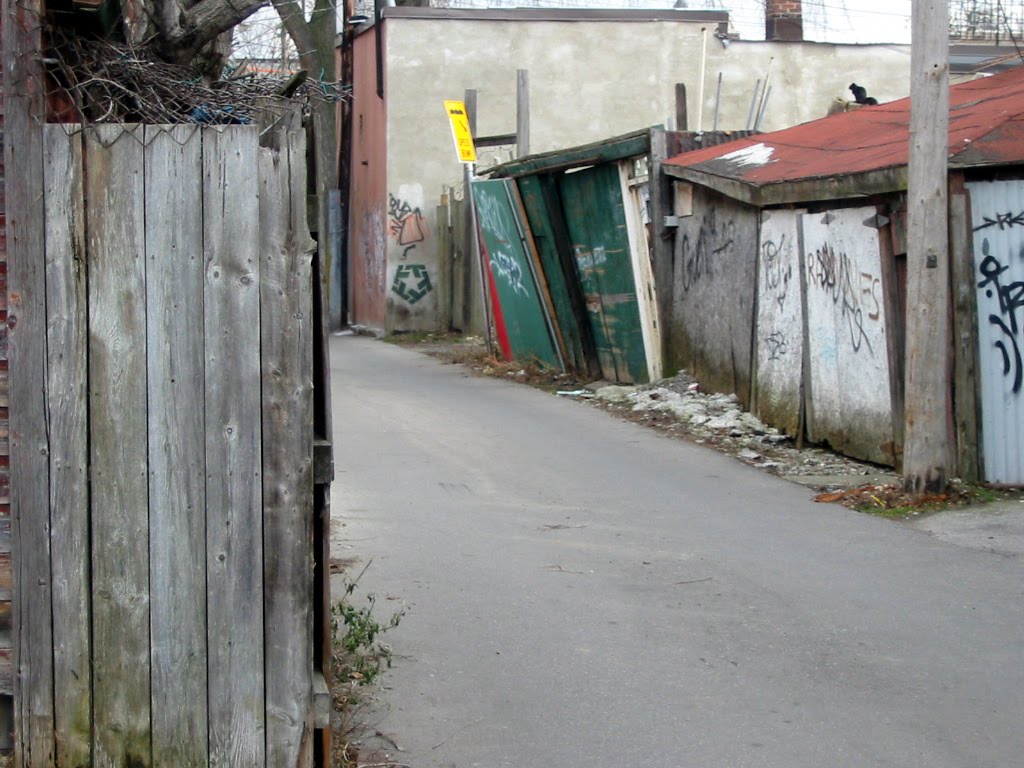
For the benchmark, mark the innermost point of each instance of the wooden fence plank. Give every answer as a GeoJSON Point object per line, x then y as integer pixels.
{"type": "Point", "coordinates": [233, 447]}
{"type": "Point", "coordinates": [67, 346]}
{"type": "Point", "coordinates": [287, 362]}
{"type": "Point", "coordinates": [177, 444]}
{"type": "Point", "coordinates": [118, 444]}
{"type": "Point", "coordinates": [26, 321]}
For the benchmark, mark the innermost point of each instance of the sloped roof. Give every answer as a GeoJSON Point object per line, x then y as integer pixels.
{"type": "Point", "coordinates": [862, 152]}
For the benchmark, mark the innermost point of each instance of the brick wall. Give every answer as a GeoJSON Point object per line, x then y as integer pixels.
{"type": "Point", "coordinates": [784, 20]}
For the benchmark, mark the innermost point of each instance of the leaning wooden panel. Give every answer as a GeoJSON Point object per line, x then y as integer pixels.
{"type": "Point", "coordinates": [177, 440]}
{"type": "Point", "coordinates": [67, 347]}
{"type": "Point", "coordinates": [234, 495]}
{"type": "Point", "coordinates": [118, 445]}
{"type": "Point", "coordinates": [26, 322]}
{"type": "Point", "coordinates": [287, 365]}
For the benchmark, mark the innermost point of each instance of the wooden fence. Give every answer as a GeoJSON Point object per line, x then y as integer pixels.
{"type": "Point", "coordinates": [164, 529]}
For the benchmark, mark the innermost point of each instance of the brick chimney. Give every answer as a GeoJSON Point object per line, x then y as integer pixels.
{"type": "Point", "coordinates": [783, 20]}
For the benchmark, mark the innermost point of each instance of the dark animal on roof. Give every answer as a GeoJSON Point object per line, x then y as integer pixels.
{"type": "Point", "coordinates": [860, 94]}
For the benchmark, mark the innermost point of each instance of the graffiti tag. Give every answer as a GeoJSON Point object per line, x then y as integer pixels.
{"type": "Point", "coordinates": [405, 224]}
{"type": "Point", "coordinates": [713, 240]}
{"type": "Point", "coordinates": [412, 282]}
{"type": "Point", "coordinates": [1002, 220]}
{"type": "Point", "coordinates": [777, 345]}
{"type": "Point", "coordinates": [1011, 298]}
{"type": "Point", "coordinates": [851, 291]}
{"type": "Point", "coordinates": [776, 274]}
{"type": "Point", "coordinates": [508, 269]}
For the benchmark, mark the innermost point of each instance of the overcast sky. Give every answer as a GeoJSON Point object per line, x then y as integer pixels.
{"type": "Point", "coordinates": [827, 21]}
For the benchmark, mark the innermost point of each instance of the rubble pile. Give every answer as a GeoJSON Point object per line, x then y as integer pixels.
{"type": "Point", "coordinates": [679, 406]}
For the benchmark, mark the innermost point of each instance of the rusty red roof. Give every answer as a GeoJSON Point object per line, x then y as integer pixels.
{"type": "Point", "coordinates": [986, 127]}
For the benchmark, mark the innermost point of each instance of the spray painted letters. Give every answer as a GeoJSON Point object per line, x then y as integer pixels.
{"type": "Point", "coordinates": [697, 258]}
{"type": "Point", "coordinates": [405, 224]}
{"type": "Point", "coordinates": [1010, 298]}
{"type": "Point", "coordinates": [857, 294]}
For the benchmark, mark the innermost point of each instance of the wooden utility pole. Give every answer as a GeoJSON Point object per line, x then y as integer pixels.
{"type": "Point", "coordinates": [926, 450]}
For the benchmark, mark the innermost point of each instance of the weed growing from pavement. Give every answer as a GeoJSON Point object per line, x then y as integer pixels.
{"type": "Point", "coordinates": [360, 657]}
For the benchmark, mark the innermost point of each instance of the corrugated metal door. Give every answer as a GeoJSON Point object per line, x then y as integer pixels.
{"type": "Point", "coordinates": [997, 212]}
{"type": "Point", "coordinates": [596, 220]}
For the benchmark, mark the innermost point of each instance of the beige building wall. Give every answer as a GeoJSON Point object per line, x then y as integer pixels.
{"type": "Point", "coordinates": [589, 79]}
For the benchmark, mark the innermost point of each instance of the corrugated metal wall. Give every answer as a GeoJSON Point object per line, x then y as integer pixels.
{"type": "Point", "coordinates": [997, 212]}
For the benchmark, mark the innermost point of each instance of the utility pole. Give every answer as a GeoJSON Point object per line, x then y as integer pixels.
{"type": "Point", "coordinates": [926, 449]}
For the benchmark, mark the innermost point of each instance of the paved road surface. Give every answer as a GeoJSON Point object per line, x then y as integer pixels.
{"type": "Point", "coordinates": [584, 593]}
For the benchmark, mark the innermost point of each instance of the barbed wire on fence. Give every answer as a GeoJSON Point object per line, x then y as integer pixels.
{"type": "Point", "coordinates": [102, 81]}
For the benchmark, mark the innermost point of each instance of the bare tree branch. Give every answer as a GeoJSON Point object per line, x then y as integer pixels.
{"type": "Point", "coordinates": [183, 32]}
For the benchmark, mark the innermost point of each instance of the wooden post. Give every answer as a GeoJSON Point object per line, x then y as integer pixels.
{"type": "Point", "coordinates": [926, 451]}
{"type": "Point", "coordinates": [472, 239]}
{"type": "Point", "coordinates": [681, 107]}
{"type": "Point", "coordinates": [26, 322]}
{"type": "Point", "coordinates": [286, 317]}
{"type": "Point", "coordinates": [965, 342]}
{"type": "Point", "coordinates": [664, 145]}
{"type": "Point", "coordinates": [522, 113]}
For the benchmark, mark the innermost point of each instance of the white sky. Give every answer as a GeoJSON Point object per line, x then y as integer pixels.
{"type": "Point", "coordinates": [827, 21]}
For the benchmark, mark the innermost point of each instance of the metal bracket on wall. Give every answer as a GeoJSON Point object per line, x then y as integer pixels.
{"type": "Point", "coordinates": [877, 221]}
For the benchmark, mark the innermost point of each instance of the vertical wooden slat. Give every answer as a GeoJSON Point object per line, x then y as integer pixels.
{"type": "Point", "coordinates": [177, 443]}
{"type": "Point", "coordinates": [118, 445]}
{"type": "Point", "coordinates": [233, 447]}
{"type": "Point", "coordinates": [67, 346]}
{"type": "Point", "coordinates": [287, 364]}
{"type": "Point", "coordinates": [965, 341]}
{"type": "Point", "coordinates": [24, 114]}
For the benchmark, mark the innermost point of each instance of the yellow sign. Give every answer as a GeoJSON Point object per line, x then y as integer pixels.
{"type": "Point", "coordinates": [460, 131]}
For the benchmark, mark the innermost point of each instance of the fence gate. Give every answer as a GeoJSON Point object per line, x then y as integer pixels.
{"type": "Point", "coordinates": [165, 617]}
{"type": "Point", "coordinates": [997, 211]}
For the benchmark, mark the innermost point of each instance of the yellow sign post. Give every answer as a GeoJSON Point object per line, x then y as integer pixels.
{"type": "Point", "coordinates": [460, 131]}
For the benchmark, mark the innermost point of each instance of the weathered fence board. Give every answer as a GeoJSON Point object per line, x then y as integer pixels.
{"type": "Point", "coordinates": [778, 338]}
{"type": "Point", "coordinates": [26, 322]}
{"type": "Point", "coordinates": [118, 446]}
{"type": "Point", "coordinates": [848, 346]}
{"type": "Point", "coordinates": [234, 493]}
{"type": "Point", "coordinates": [166, 604]}
{"type": "Point", "coordinates": [177, 443]}
{"type": "Point", "coordinates": [287, 349]}
{"type": "Point", "coordinates": [67, 347]}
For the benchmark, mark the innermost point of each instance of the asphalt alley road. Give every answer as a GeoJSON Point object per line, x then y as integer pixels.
{"type": "Point", "coordinates": [583, 593]}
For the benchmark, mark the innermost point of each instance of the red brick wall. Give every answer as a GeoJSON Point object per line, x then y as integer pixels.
{"type": "Point", "coordinates": [783, 20]}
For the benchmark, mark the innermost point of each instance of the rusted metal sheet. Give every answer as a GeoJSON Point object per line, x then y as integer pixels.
{"type": "Point", "coordinates": [997, 213]}
{"type": "Point", "coordinates": [849, 400]}
{"type": "Point", "coordinates": [779, 336]}
{"type": "Point", "coordinates": [986, 127]}
{"type": "Point", "coordinates": [515, 278]}
{"type": "Point", "coordinates": [596, 220]}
